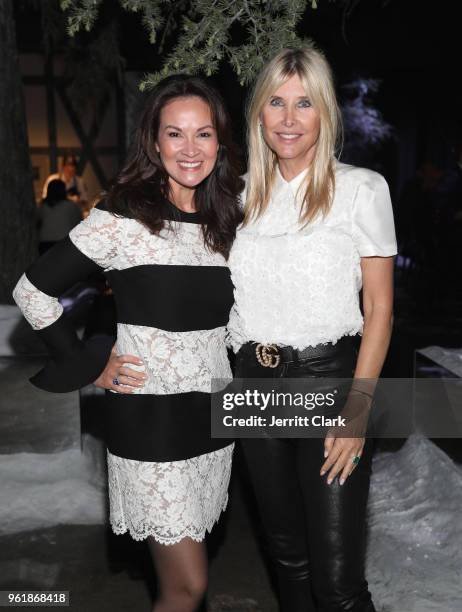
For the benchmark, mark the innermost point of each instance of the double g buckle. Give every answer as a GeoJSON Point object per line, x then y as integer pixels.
{"type": "Point", "coordinates": [267, 355]}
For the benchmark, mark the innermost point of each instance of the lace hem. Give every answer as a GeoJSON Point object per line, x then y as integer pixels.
{"type": "Point", "coordinates": [168, 500]}
{"type": "Point", "coordinates": [198, 536]}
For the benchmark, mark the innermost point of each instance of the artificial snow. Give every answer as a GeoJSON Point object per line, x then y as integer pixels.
{"type": "Point", "coordinates": [414, 555]}
{"type": "Point", "coordinates": [42, 490]}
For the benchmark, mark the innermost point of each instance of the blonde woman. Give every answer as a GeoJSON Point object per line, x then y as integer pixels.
{"type": "Point", "coordinates": [315, 232]}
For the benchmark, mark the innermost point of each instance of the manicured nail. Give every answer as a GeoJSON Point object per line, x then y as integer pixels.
{"type": "Point", "coordinates": [329, 481]}
{"type": "Point", "coordinates": [326, 453]}
{"type": "Point", "coordinates": [342, 480]}
{"type": "Point", "coordinates": [323, 472]}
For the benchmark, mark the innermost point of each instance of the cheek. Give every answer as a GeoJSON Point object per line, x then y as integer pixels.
{"type": "Point", "coordinates": [210, 150]}
{"type": "Point", "coordinates": [168, 147]}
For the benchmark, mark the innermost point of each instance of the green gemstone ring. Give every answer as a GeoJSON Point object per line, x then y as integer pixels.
{"type": "Point", "coordinates": [356, 459]}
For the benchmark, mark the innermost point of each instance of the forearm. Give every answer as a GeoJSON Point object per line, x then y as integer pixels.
{"type": "Point", "coordinates": [378, 324]}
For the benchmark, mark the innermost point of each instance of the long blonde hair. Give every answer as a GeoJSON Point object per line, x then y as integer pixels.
{"type": "Point", "coordinates": [315, 74]}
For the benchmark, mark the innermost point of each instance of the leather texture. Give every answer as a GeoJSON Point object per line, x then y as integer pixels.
{"type": "Point", "coordinates": [315, 533]}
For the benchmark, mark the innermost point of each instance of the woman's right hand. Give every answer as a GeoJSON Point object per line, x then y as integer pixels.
{"type": "Point", "coordinates": [116, 369]}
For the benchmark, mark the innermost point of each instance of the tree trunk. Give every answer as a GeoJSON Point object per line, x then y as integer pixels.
{"type": "Point", "coordinates": [17, 214]}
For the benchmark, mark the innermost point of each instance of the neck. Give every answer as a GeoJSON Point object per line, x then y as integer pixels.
{"type": "Point", "coordinates": [290, 168]}
{"type": "Point", "coordinates": [182, 197]}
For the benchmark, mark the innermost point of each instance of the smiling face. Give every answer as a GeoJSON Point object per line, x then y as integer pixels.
{"type": "Point", "coordinates": [291, 125]}
{"type": "Point", "coordinates": [187, 142]}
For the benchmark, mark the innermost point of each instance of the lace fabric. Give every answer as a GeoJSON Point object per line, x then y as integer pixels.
{"type": "Point", "coordinates": [169, 501]}
{"type": "Point", "coordinates": [117, 243]}
{"type": "Point", "coordinates": [299, 286]}
{"type": "Point", "coordinates": [39, 309]}
{"type": "Point", "coordinates": [175, 362]}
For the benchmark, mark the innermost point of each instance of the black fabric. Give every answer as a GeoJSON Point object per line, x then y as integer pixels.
{"type": "Point", "coordinates": [73, 363]}
{"type": "Point", "coordinates": [173, 298]}
{"type": "Point", "coordinates": [315, 533]}
{"type": "Point", "coordinates": [60, 268]}
{"type": "Point", "coordinates": [169, 212]}
{"type": "Point", "coordinates": [160, 427]}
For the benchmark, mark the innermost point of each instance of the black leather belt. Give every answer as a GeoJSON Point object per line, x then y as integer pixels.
{"type": "Point", "coordinates": [272, 355]}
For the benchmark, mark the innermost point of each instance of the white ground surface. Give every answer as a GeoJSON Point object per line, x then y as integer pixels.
{"type": "Point", "coordinates": [414, 558]}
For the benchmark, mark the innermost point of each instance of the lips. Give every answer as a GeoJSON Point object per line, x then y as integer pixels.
{"type": "Point", "coordinates": [289, 137]}
{"type": "Point", "coordinates": [188, 165]}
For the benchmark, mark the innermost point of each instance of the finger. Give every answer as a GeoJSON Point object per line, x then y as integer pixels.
{"type": "Point", "coordinates": [338, 466]}
{"type": "Point", "coordinates": [328, 444]}
{"type": "Point", "coordinates": [129, 382]}
{"type": "Point", "coordinates": [347, 470]}
{"type": "Point", "coordinates": [140, 376]}
{"type": "Point", "coordinates": [122, 389]}
{"type": "Point", "coordinates": [129, 359]}
{"type": "Point", "coordinates": [333, 456]}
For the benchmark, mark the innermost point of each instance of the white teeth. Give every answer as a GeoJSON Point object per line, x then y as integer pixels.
{"type": "Point", "coordinates": [289, 136]}
{"type": "Point", "coordinates": [190, 164]}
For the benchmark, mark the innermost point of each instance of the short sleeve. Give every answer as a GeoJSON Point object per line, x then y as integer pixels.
{"type": "Point", "coordinates": [372, 218]}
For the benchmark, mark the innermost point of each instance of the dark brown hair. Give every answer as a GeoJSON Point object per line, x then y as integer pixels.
{"type": "Point", "coordinates": [142, 186]}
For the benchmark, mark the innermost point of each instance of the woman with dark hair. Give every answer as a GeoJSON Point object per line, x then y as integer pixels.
{"type": "Point", "coordinates": [162, 235]}
{"type": "Point", "coordinates": [57, 216]}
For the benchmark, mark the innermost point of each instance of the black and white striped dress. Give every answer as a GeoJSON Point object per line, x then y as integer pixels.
{"type": "Point", "coordinates": [167, 477]}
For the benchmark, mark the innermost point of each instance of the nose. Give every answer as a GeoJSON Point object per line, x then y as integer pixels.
{"type": "Point", "coordinates": [190, 148]}
{"type": "Point", "coordinates": [288, 119]}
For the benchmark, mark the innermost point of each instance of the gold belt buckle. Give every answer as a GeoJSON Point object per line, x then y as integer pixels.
{"type": "Point", "coordinates": [267, 355]}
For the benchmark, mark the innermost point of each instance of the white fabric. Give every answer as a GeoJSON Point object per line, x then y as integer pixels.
{"type": "Point", "coordinates": [299, 286]}
{"type": "Point", "coordinates": [39, 309]}
{"type": "Point", "coordinates": [117, 243]}
{"type": "Point", "coordinates": [175, 362]}
{"type": "Point", "coordinates": [169, 501]}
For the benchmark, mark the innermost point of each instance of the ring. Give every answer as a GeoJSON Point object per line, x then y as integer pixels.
{"type": "Point", "coordinates": [116, 382]}
{"type": "Point", "coordinates": [356, 459]}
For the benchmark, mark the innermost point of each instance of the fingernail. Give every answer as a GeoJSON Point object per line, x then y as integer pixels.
{"type": "Point", "coordinates": [323, 472]}
{"type": "Point", "coordinates": [342, 480]}
{"type": "Point", "coordinates": [329, 481]}
{"type": "Point", "coordinates": [326, 453]}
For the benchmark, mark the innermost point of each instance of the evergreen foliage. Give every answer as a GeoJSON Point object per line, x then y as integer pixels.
{"type": "Point", "coordinates": [244, 33]}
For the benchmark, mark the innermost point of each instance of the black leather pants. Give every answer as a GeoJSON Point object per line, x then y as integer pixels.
{"type": "Point", "coordinates": [315, 532]}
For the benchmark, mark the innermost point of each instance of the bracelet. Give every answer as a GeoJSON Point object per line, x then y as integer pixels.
{"type": "Point", "coordinates": [363, 392]}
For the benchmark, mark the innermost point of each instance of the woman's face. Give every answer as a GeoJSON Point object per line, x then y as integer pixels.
{"type": "Point", "coordinates": [290, 124]}
{"type": "Point", "coordinates": [187, 142]}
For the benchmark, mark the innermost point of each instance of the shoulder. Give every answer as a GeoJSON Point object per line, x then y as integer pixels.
{"type": "Point", "coordinates": [52, 177]}
{"type": "Point", "coordinates": [355, 177]}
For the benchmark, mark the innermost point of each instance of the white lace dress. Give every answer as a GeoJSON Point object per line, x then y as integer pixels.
{"type": "Point", "coordinates": [167, 477]}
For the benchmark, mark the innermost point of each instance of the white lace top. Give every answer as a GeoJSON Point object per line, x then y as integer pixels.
{"type": "Point", "coordinates": [299, 287]}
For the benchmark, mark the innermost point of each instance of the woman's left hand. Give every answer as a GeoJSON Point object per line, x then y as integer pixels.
{"type": "Point", "coordinates": [341, 452]}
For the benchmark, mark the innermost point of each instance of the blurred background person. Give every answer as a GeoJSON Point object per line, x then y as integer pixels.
{"type": "Point", "coordinates": [57, 215]}
{"type": "Point", "coordinates": [75, 186]}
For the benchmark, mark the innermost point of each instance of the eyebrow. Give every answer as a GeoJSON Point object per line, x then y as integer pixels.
{"type": "Point", "coordinates": [282, 97]}
{"type": "Point", "coordinates": [180, 130]}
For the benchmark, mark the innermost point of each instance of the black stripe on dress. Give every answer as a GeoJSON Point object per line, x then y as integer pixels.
{"type": "Point", "coordinates": [173, 298]}
{"type": "Point", "coordinates": [160, 427]}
